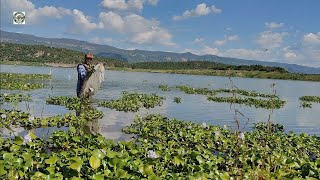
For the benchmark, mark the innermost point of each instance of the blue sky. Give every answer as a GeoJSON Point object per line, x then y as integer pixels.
{"type": "Point", "coordinates": [271, 30]}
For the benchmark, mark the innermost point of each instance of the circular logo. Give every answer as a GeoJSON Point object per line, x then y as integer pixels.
{"type": "Point", "coordinates": [19, 17]}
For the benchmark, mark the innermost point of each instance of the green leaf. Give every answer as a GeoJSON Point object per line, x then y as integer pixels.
{"type": "Point", "coordinates": [146, 169]}
{"type": "Point", "coordinates": [110, 154]}
{"type": "Point", "coordinates": [98, 177]}
{"type": "Point", "coordinates": [177, 160]}
{"type": "Point", "coordinates": [18, 140]}
{"type": "Point", "coordinates": [51, 160]}
{"type": "Point", "coordinates": [76, 166]}
{"type": "Point", "coordinates": [200, 159]}
{"type": "Point", "coordinates": [224, 176]}
{"type": "Point", "coordinates": [98, 154]}
{"type": "Point", "coordinates": [32, 135]}
{"type": "Point", "coordinates": [134, 151]}
{"type": "Point", "coordinates": [2, 171]}
{"type": "Point", "coordinates": [94, 162]}
{"type": "Point", "coordinates": [120, 173]}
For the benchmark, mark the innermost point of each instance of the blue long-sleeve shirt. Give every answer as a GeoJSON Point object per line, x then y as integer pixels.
{"type": "Point", "coordinates": [82, 72]}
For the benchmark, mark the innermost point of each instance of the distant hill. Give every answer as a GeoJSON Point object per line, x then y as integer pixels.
{"type": "Point", "coordinates": [45, 54]}
{"type": "Point", "coordinates": [133, 56]}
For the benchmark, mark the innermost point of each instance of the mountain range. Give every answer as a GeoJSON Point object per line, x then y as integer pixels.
{"type": "Point", "coordinates": [133, 56]}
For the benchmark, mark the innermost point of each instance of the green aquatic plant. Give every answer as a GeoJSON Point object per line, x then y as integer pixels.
{"type": "Point", "coordinates": [305, 104]}
{"type": "Point", "coordinates": [258, 103]}
{"type": "Point", "coordinates": [162, 148]}
{"type": "Point", "coordinates": [14, 97]}
{"type": "Point", "coordinates": [206, 91]}
{"type": "Point", "coordinates": [164, 87]}
{"type": "Point", "coordinates": [269, 126]}
{"type": "Point", "coordinates": [16, 81]}
{"type": "Point", "coordinates": [23, 76]}
{"type": "Point", "coordinates": [72, 103]}
{"type": "Point", "coordinates": [16, 118]}
{"type": "Point", "coordinates": [177, 99]}
{"type": "Point", "coordinates": [306, 101]}
{"type": "Point", "coordinates": [19, 85]}
{"type": "Point", "coordinates": [310, 99]}
{"type": "Point", "coordinates": [133, 102]}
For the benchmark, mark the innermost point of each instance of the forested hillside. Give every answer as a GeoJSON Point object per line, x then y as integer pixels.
{"type": "Point", "coordinates": [46, 54]}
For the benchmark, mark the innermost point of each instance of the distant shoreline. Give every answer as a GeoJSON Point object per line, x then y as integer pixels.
{"type": "Point", "coordinates": [205, 72]}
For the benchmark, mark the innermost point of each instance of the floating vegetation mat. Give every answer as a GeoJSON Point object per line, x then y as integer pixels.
{"type": "Point", "coordinates": [24, 76]}
{"type": "Point", "coordinates": [272, 103]}
{"type": "Point", "coordinates": [16, 118]}
{"type": "Point", "coordinates": [206, 91]}
{"type": "Point", "coordinates": [164, 87]}
{"type": "Point", "coordinates": [177, 99]}
{"type": "Point", "coordinates": [13, 81]}
{"type": "Point", "coordinates": [133, 102]}
{"type": "Point", "coordinates": [307, 101]}
{"type": "Point", "coordinates": [19, 85]}
{"type": "Point", "coordinates": [163, 149]}
{"type": "Point", "coordinates": [7, 97]}
{"type": "Point", "coordinates": [258, 103]}
{"type": "Point", "coordinates": [72, 103]}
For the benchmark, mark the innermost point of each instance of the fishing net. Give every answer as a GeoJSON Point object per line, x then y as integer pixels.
{"type": "Point", "coordinates": [93, 81]}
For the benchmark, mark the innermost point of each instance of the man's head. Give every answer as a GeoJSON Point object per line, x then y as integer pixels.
{"type": "Point", "coordinates": [88, 58]}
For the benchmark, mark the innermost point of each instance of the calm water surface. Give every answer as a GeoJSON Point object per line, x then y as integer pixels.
{"type": "Point", "coordinates": [194, 108]}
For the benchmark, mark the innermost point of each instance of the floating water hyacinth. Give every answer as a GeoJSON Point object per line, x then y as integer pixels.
{"type": "Point", "coordinates": [152, 154]}
{"type": "Point", "coordinates": [241, 135]}
{"type": "Point", "coordinates": [27, 138]}
{"type": "Point", "coordinates": [189, 127]}
{"type": "Point", "coordinates": [217, 133]}
{"type": "Point", "coordinates": [3, 116]}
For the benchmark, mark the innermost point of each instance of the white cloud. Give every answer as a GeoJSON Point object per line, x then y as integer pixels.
{"type": "Point", "coordinates": [220, 42]}
{"type": "Point", "coordinates": [33, 15]}
{"type": "Point", "coordinates": [271, 40]}
{"type": "Point", "coordinates": [312, 39]}
{"type": "Point", "coordinates": [115, 4]}
{"type": "Point", "coordinates": [128, 5]}
{"type": "Point", "coordinates": [139, 29]}
{"type": "Point", "coordinates": [198, 40]}
{"type": "Point", "coordinates": [232, 38]}
{"type": "Point", "coordinates": [273, 25]}
{"type": "Point", "coordinates": [206, 50]}
{"type": "Point", "coordinates": [209, 50]}
{"type": "Point", "coordinates": [112, 21]}
{"type": "Point", "coordinates": [99, 40]}
{"type": "Point", "coordinates": [83, 24]}
{"type": "Point", "coordinates": [200, 10]}
{"type": "Point", "coordinates": [226, 39]}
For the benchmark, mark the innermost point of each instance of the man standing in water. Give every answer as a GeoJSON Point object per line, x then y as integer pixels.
{"type": "Point", "coordinates": [83, 71]}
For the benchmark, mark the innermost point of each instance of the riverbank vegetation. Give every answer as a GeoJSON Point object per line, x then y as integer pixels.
{"type": "Point", "coordinates": [41, 55]}
{"type": "Point", "coordinates": [48, 56]}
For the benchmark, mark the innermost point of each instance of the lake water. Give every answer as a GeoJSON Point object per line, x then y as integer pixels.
{"type": "Point", "coordinates": [194, 108]}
